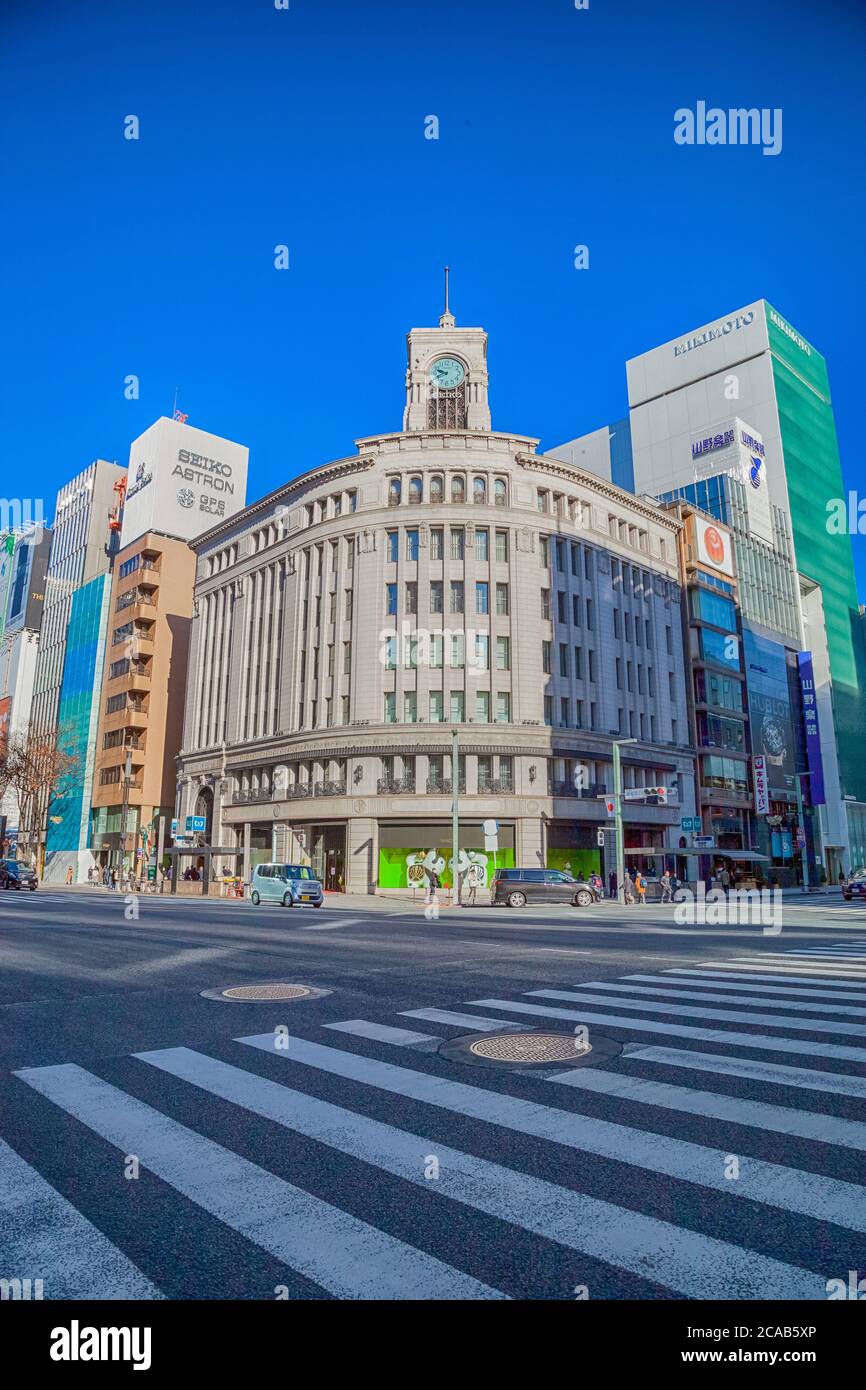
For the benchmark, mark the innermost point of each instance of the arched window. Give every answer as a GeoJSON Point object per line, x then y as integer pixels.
{"type": "Point", "coordinates": [458, 489]}
{"type": "Point", "coordinates": [479, 490]}
{"type": "Point", "coordinates": [394, 492]}
{"type": "Point", "coordinates": [500, 492]}
{"type": "Point", "coordinates": [414, 490]}
{"type": "Point", "coordinates": [436, 489]}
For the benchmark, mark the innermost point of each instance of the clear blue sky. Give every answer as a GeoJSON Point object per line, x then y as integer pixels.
{"type": "Point", "coordinates": [262, 126]}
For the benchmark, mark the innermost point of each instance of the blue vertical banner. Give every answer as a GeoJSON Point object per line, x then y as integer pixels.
{"type": "Point", "coordinates": [810, 723]}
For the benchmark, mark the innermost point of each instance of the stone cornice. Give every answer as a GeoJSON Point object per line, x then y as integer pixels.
{"type": "Point", "coordinates": [543, 463]}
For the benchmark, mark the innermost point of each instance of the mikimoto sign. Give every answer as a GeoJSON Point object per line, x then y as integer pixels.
{"type": "Point", "coordinates": [182, 481]}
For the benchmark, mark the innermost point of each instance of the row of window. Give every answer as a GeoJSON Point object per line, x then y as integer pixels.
{"type": "Point", "coordinates": [436, 705]}
{"type": "Point", "coordinates": [436, 490]}
{"type": "Point", "coordinates": [570, 714]}
{"type": "Point", "coordinates": [456, 597]}
{"type": "Point", "coordinates": [578, 610]}
{"type": "Point", "coordinates": [456, 544]}
{"type": "Point", "coordinates": [430, 649]}
{"type": "Point", "coordinates": [565, 662]}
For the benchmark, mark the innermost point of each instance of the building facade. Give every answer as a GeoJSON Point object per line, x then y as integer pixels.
{"type": "Point", "coordinates": [736, 417]}
{"type": "Point", "coordinates": [142, 696]}
{"type": "Point", "coordinates": [445, 577]}
{"type": "Point", "coordinates": [23, 565]}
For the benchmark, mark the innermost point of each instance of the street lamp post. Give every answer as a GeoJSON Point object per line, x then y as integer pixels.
{"type": "Point", "coordinates": [617, 810]}
{"type": "Point", "coordinates": [455, 814]}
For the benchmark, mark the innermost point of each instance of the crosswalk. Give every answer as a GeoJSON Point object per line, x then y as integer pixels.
{"type": "Point", "coordinates": [720, 1154]}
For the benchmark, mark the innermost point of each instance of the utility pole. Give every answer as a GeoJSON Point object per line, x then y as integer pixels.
{"type": "Point", "coordinates": [455, 814]}
{"type": "Point", "coordinates": [801, 827]}
{"type": "Point", "coordinates": [617, 810]}
{"type": "Point", "coordinates": [127, 773]}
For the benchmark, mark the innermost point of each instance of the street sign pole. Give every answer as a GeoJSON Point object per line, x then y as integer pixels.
{"type": "Point", "coordinates": [455, 814]}
{"type": "Point", "coordinates": [617, 808]}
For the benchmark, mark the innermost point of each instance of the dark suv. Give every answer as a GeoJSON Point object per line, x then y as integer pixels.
{"type": "Point", "coordinates": [855, 886]}
{"type": "Point", "coordinates": [14, 874]}
{"type": "Point", "coordinates": [517, 887]}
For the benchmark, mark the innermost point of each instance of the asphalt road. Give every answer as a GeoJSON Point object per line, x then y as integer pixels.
{"type": "Point", "coordinates": [711, 1146]}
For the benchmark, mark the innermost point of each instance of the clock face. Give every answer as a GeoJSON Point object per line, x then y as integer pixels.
{"type": "Point", "coordinates": [772, 736]}
{"type": "Point", "coordinates": [447, 373]}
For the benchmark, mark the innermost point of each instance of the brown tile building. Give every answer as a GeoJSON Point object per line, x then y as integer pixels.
{"type": "Point", "coordinates": [143, 693]}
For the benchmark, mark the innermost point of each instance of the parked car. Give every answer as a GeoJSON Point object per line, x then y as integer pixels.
{"type": "Point", "coordinates": [517, 887]}
{"type": "Point", "coordinates": [14, 874]}
{"type": "Point", "coordinates": [287, 884]}
{"type": "Point", "coordinates": [855, 886]}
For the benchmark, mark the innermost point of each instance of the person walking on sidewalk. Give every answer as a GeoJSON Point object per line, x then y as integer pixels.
{"type": "Point", "coordinates": [628, 889]}
{"type": "Point", "coordinates": [667, 887]}
{"type": "Point", "coordinates": [640, 885]}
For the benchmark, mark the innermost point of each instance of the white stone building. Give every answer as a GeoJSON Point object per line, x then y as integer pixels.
{"type": "Point", "coordinates": [443, 576]}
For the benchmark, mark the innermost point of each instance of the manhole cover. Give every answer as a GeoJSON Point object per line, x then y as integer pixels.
{"type": "Point", "coordinates": [523, 1048]}
{"type": "Point", "coordinates": [267, 992]}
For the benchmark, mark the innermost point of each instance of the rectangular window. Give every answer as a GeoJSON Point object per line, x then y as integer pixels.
{"type": "Point", "coordinates": [436, 710]}
{"type": "Point", "coordinates": [482, 597]}
{"type": "Point", "coordinates": [390, 653]}
{"type": "Point", "coordinates": [458, 650]}
{"type": "Point", "coordinates": [502, 600]}
{"type": "Point", "coordinates": [563, 659]}
{"type": "Point", "coordinates": [390, 707]}
{"type": "Point", "coordinates": [482, 543]}
{"type": "Point", "coordinates": [410, 707]}
{"type": "Point", "coordinates": [129, 566]}
{"type": "Point", "coordinates": [628, 627]}
{"type": "Point", "coordinates": [482, 707]}
{"type": "Point", "coordinates": [503, 707]}
{"type": "Point", "coordinates": [616, 623]}
{"type": "Point", "coordinates": [391, 598]}
{"type": "Point", "coordinates": [330, 660]}
{"type": "Point", "coordinates": [560, 607]}
{"type": "Point", "coordinates": [564, 712]}
{"type": "Point", "coordinates": [482, 652]}
{"type": "Point", "coordinates": [503, 653]}
{"type": "Point", "coordinates": [578, 663]}
{"type": "Point", "coordinates": [436, 596]}
{"type": "Point", "coordinates": [436, 546]}
{"type": "Point", "coordinates": [347, 604]}
{"type": "Point", "coordinates": [393, 540]}
{"type": "Point", "coordinates": [502, 547]}
{"type": "Point", "coordinates": [575, 609]}
{"type": "Point", "coordinates": [412, 597]}
{"type": "Point", "coordinates": [345, 709]}
{"type": "Point", "coordinates": [485, 772]}
{"type": "Point", "coordinates": [347, 658]}
{"type": "Point", "coordinates": [506, 771]}
{"type": "Point", "coordinates": [410, 652]}
{"type": "Point", "coordinates": [457, 707]}
{"type": "Point", "coordinates": [589, 621]}
{"type": "Point", "coordinates": [545, 658]}
{"type": "Point", "coordinates": [456, 596]}
{"type": "Point", "coordinates": [329, 712]}
{"type": "Point", "coordinates": [591, 659]}
{"type": "Point", "coordinates": [118, 668]}
{"type": "Point", "coordinates": [412, 545]}
{"type": "Point", "coordinates": [544, 552]}
{"type": "Point", "coordinates": [619, 673]}
{"type": "Point", "coordinates": [548, 709]}
{"type": "Point", "coordinates": [436, 651]}
{"type": "Point", "coordinates": [587, 562]}
{"type": "Point", "coordinates": [560, 555]}
{"type": "Point", "coordinates": [115, 703]}
{"type": "Point", "coordinates": [457, 543]}
{"type": "Point", "coordinates": [545, 604]}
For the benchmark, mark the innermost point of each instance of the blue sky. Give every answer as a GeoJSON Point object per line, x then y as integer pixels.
{"type": "Point", "coordinates": [261, 126]}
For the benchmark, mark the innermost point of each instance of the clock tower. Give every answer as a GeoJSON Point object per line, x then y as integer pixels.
{"type": "Point", "coordinates": [446, 379]}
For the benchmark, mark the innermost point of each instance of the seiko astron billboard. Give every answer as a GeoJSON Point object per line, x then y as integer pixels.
{"type": "Point", "coordinates": [182, 481]}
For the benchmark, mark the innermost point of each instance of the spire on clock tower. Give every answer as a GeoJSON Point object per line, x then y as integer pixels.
{"type": "Point", "coordinates": [447, 320]}
{"type": "Point", "coordinates": [446, 379]}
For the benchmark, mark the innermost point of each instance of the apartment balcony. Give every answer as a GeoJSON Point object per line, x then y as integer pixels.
{"type": "Point", "coordinates": [496, 786]}
{"type": "Point", "coordinates": [442, 786]}
{"type": "Point", "coordinates": [394, 785]}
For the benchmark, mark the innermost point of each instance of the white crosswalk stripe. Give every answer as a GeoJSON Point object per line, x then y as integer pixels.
{"type": "Point", "coordinates": [589, 1160]}
{"type": "Point", "coordinates": [797, 981]}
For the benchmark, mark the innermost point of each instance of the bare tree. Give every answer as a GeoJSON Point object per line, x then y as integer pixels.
{"type": "Point", "coordinates": [43, 774]}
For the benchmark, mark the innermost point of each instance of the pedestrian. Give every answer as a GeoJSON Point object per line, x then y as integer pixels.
{"type": "Point", "coordinates": [628, 888]}
{"type": "Point", "coordinates": [115, 877]}
{"type": "Point", "coordinates": [69, 875]}
{"type": "Point", "coordinates": [640, 885]}
{"type": "Point", "coordinates": [432, 894]}
{"type": "Point", "coordinates": [611, 884]}
{"type": "Point", "coordinates": [725, 880]}
{"type": "Point", "coordinates": [667, 887]}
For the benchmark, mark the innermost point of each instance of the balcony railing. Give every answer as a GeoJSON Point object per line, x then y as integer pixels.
{"type": "Point", "coordinates": [442, 786]}
{"type": "Point", "coordinates": [587, 793]}
{"type": "Point", "coordinates": [395, 784]}
{"type": "Point", "coordinates": [501, 785]}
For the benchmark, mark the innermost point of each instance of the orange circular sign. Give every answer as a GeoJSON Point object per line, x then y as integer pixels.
{"type": "Point", "coordinates": [715, 546]}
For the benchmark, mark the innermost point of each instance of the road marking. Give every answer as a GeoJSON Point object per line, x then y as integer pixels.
{"type": "Point", "coordinates": [342, 1254]}
{"type": "Point", "coordinates": [758, 1041]}
{"type": "Point", "coordinates": [793, 1024]}
{"type": "Point", "coordinates": [400, 1037]}
{"type": "Point", "coordinates": [809, 1194]}
{"type": "Point", "coordinates": [45, 1237]}
{"type": "Point", "coordinates": [681, 1259]}
{"type": "Point", "coordinates": [812, 1005]}
{"type": "Point", "coordinates": [822, 974]}
{"type": "Point", "coordinates": [774, 1073]}
{"type": "Point", "coordinates": [798, 983]}
{"type": "Point", "coordinates": [755, 1114]}
{"type": "Point", "coordinates": [708, 979]}
{"type": "Point", "coordinates": [475, 1024]}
